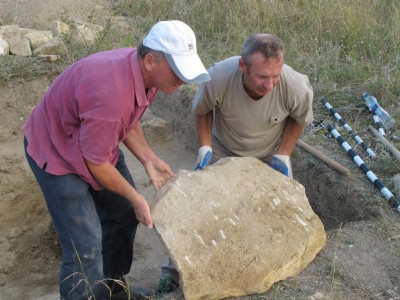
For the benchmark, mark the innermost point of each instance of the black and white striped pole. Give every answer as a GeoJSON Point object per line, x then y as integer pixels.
{"type": "Point", "coordinates": [348, 128]}
{"type": "Point", "coordinates": [371, 176]}
{"type": "Point", "coordinates": [378, 125]}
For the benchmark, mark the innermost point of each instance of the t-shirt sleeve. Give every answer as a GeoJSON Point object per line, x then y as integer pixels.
{"type": "Point", "coordinates": [203, 101]}
{"type": "Point", "coordinates": [212, 93]}
{"type": "Point", "coordinates": [302, 110]}
{"type": "Point", "coordinates": [209, 95]}
{"type": "Point", "coordinates": [98, 139]}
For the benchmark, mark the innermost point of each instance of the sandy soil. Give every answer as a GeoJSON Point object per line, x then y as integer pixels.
{"type": "Point", "coordinates": [360, 261]}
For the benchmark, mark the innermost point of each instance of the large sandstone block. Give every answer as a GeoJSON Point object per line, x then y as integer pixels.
{"type": "Point", "coordinates": [236, 228]}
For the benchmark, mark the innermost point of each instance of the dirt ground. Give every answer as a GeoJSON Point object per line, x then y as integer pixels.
{"type": "Point", "coordinates": [360, 261]}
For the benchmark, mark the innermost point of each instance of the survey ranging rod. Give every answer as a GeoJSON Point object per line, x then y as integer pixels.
{"type": "Point", "coordinates": [378, 125]}
{"type": "Point", "coordinates": [384, 191]}
{"type": "Point", "coordinates": [348, 128]}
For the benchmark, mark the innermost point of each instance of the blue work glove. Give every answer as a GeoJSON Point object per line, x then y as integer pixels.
{"type": "Point", "coordinates": [282, 164]}
{"type": "Point", "coordinates": [203, 157]}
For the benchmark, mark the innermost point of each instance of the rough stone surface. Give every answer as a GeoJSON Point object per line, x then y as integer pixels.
{"type": "Point", "coordinates": [87, 33]}
{"type": "Point", "coordinates": [53, 46]}
{"type": "Point", "coordinates": [38, 38]}
{"type": "Point", "coordinates": [236, 228]}
{"type": "Point", "coordinates": [10, 32]}
{"type": "Point", "coordinates": [20, 47]}
{"type": "Point", "coordinates": [50, 58]}
{"type": "Point", "coordinates": [4, 47]}
{"type": "Point", "coordinates": [24, 31]}
{"type": "Point", "coordinates": [157, 130]}
{"type": "Point", "coordinates": [59, 28]}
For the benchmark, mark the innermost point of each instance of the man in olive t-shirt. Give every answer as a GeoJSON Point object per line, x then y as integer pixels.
{"type": "Point", "coordinates": [254, 105]}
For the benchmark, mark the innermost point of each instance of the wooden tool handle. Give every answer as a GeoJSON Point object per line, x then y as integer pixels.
{"type": "Point", "coordinates": [331, 163]}
{"type": "Point", "coordinates": [385, 142]}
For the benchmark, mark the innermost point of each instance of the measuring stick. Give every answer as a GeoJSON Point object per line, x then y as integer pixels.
{"type": "Point", "coordinates": [371, 176]}
{"type": "Point", "coordinates": [349, 129]}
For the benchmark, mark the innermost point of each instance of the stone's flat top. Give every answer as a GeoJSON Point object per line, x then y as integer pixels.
{"type": "Point", "coordinates": [236, 228]}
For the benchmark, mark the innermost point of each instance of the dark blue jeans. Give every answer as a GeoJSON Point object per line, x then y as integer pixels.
{"type": "Point", "coordinates": [96, 231]}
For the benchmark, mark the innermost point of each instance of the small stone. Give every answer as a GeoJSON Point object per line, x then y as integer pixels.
{"type": "Point", "coordinates": [20, 47]}
{"type": "Point", "coordinates": [4, 47]}
{"type": "Point", "coordinates": [318, 296]}
{"type": "Point", "coordinates": [50, 57]}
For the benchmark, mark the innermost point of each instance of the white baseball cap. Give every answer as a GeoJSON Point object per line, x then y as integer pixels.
{"type": "Point", "coordinates": [178, 43]}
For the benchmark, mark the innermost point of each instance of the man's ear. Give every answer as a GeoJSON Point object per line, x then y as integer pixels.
{"type": "Point", "coordinates": [242, 65]}
{"type": "Point", "coordinates": [148, 61]}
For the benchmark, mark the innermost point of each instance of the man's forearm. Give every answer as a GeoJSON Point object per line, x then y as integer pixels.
{"type": "Point", "coordinates": [137, 144]}
{"type": "Point", "coordinates": [109, 178]}
{"type": "Point", "coordinates": [204, 126]}
{"type": "Point", "coordinates": [291, 134]}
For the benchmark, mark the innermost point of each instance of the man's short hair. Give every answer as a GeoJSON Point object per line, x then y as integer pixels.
{"type": "Point", "coordinates": [268, 45]}
{"type": "Point", "coordinates": [142, 51]}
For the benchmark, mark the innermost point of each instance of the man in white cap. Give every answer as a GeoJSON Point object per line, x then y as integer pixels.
{"type": "Point", "coordinates": [72, 146]}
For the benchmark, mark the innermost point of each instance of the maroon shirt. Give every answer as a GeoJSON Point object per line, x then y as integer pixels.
{"type": "Point", "coordinates": [87, 112]}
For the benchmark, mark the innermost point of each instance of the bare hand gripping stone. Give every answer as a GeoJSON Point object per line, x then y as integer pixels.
{"type": "Point", "coordinates": [236, 228]}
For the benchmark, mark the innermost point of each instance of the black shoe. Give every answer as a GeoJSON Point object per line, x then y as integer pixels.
{"type": "Point", "coordinates": [120, 290]}
{"type": "Point", "coordinates": [167, 285]}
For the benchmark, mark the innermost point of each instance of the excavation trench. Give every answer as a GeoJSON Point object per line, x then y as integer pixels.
{"type": "Point", "coordinates": [335, 198]}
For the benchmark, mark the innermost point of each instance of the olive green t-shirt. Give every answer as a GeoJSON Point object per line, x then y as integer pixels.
{"type": "Point", "coordinates": [243, 126]}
